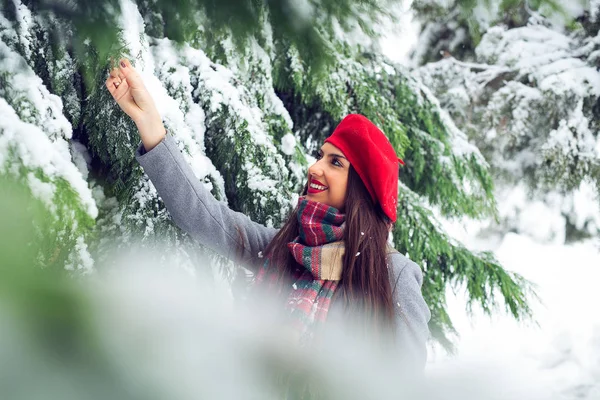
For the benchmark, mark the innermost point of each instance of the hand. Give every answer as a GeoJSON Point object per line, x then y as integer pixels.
{"type": "Point", "coordinates": [130, 93]}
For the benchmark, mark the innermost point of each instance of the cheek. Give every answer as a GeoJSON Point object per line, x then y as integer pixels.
{"type": "Point", "coordinates": [343, 185]}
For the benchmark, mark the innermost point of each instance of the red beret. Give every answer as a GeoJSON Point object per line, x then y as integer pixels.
{"type": "Point", "coordinates": [372, 156]}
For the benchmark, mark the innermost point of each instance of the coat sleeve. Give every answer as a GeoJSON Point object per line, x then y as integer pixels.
{"type": "Point", "coordinates": [412, 313]}
{"type": "Point", "coordinates": [194, 209]}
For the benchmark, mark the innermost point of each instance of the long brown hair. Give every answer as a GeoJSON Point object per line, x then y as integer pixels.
{"type": "Point", "coordinates": [365, 276]}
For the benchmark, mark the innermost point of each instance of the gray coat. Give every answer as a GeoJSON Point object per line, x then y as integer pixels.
{"type": "Point", "coordinates": [214, 225]}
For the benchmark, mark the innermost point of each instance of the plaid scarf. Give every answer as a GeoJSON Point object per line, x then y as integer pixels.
{"type": "Point", "coordinates": [319, 249]}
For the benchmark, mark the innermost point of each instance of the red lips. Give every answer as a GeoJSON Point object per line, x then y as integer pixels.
{"type": "Point", "coordinates": [313, 190]}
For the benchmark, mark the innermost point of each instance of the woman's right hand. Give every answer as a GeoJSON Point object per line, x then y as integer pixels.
{"type": "Point", "coordinates": [127, 88]}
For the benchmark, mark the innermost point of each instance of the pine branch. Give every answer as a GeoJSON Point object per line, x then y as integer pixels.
{"type": "Point", "coordinates": [446, 264]}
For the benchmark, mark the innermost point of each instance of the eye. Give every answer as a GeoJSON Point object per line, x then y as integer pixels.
{"type": "Point", "coordinates": [336, 161]}
{"type": "Point", "coordinates": [319, 155]}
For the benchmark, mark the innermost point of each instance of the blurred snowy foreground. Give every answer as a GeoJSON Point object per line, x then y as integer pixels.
{"type": "Point", "coordinates": [134, 331]}
{"type": "Point", "coordinates": [142, 326]}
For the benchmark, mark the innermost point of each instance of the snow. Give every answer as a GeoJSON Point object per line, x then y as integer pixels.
{"type": "Point", "coordinates": [39, 154]}
{"type": "Point", "coordinates": [526, 102]}
{"type": "Point", "coordinates": [84, 262]}
{"type": "Point", "coordinates": [566, 141]}
{"type": "Point", "coordinates": [35, 150]}
{"type": "Point", "coordinates": [288, 144]}
{"type": "Point", "coordinates": [400, 34]}
{"type": "Point", "coordinates": [594, 9]}
{"type": "Point", "coordinates": [572, 9]}
{"type": "Point", "coordinates": [42, 190]}
{"type": "Point", "coordinates": [39, 133]}
{"type": "Point", "coordinates": [542, 217]}
{"type": "Point", "coordinates": [36, 104]}
{"type": "Point", "coordinates": [584, 207]}
{"type": "Point", "coordinates": [524, 47]}
{"type": "Point", "coordinates": [485, 13]}
{"type": "Point", "coordinates": [24, 24]}
{"type": "Point", "coordinates": [7, 34]}
{"type": "Point", "coordinates": [532, 218]}
{"type": "Point", "coordinates": [132, 24]}
{"type": "Point", "coordinates": [302, 11]}
{"type": "Point", "coordinates": [460, 145]}
{"type": "Point", "coordinates": [557, 355]}
{"type": "Point", "coordinates": [159, 66]}
{"type": "Point", "coordinates": [219, 89]}
{"type": "Point", "coordinates": [220, 81]}
{"type": "Point", "coordinates": [81, 158]}
{"type": "Point", "coordinates": [273, 103]}
{"type": "Point", "coordinates": [543, 54]}
{"type": "Point", "coordinates": [258, 181]}
{"type": "Point", "coordinates": [351, 34]}
{"type": "Point", "coordinates": [569, 75]}
{"type": "Point", "coordinates": [561, 356]}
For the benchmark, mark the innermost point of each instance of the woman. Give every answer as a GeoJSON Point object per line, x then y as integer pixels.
{"type": "Point", "coordinates": [333, 250]}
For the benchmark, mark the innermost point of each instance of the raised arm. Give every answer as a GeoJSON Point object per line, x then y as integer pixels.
{"type": "Point", "coordinates": [195, 210]}
{"type": "Point", "coordinates": [191, 205]}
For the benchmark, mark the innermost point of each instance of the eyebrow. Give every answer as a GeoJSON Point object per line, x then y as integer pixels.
{"type": "Point", "coordinates": [333, 155]}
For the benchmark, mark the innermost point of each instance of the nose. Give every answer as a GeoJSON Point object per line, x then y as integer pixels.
{"type": "Point", "coordinates": [316, 169]}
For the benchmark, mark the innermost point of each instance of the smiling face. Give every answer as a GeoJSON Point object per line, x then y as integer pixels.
{"type": "Point", "coordinates": [328, 177]}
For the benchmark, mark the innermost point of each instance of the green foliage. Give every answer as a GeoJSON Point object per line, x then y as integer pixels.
{"type": "Point", "coordinates": [440, 165]}
{"type": "Point", "coordinates": [47, 319]}
{"type": "Point", "coordinates": [527, 97]}
{"type": "Point", "coordinates": [131, 212]}
{"type": "Point", "coordinates": [252, 74]}
{"type": "Point", "coordinates": [26, 232]}
{"type": "Point", "coordinates": [84, 24]}
{"type": "Point", "coordinates": [449, 264]}
{"type": "Point", "coordinates": [20, 213]}
{"type": "Point", "coordinates": [455, 28]}
{"type": "Point", "coordinates": [112, 142]}
{"type": "Point", "coordinates": [534, 121]}
{"type": "Point", "coordinates": [94, 22]}
{"type": "Point", "coordinates": [408, 117]}
{"type": "Point", "coordinates": [238, 158]}
{"type": "Point", "coordinates": [55, 231]}
{"type": "Point", "coordinates": [32, 125]}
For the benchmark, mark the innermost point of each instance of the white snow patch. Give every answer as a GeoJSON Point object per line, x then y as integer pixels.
{"type": "Point", "coordinates": [40, 107]}
{"type": "Point", "coordinates": [42, 190]}
{"type": "Point", "coordinates": [81, 158]}
{"type": "Point", "coordinates": [35, 150]}
{"type": "Point", "coordinates": [288, 144]}
{"type": "Point", "coordinates": [24, 27]}
{"type": "Point", "coordinates": [84, 261]}
{"type": "Point", "coordinates": [401, 34]}
{"type": "Point", "coordinates": [594, 9]}
{"type": "Point", "coordinates": [163, 61]}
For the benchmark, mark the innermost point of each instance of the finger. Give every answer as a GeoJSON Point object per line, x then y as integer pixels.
{"type": "Point", "coordinates": [125, 63]}
{"type": "Point", "coordinates": [110, 85]}
{"type": "Point", "coordinates": [114, 72]}
{"type": "Point", "coordinates": [130, 74]}
{"type": "Point", "coordinates": [116, 87]}
{"type": "Point", "coordinates": [121, 90]}
{"type": "Point", "coordinates": [115, 81]}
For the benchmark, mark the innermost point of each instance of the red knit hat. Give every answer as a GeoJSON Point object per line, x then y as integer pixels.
{"type": "Point", "coordinates": [372, 156]}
